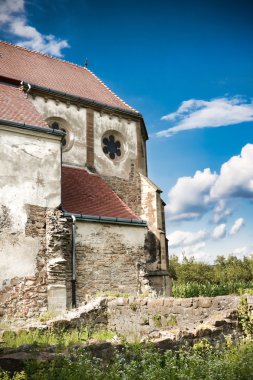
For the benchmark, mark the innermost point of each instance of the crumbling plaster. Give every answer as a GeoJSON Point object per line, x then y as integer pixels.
{"type": "Point", "coordinates": [30, 175]}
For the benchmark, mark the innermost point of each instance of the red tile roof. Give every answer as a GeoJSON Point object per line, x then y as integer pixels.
{"type": "Point", "coordinates": [14, 106]}
{"type": "Point", "coordinates": [42, 70]}
{"type": "Point", "coordinates": [87, 194]}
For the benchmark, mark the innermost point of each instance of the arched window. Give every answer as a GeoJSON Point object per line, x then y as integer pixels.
{"type": "Point", "coordinates": [62, 125]}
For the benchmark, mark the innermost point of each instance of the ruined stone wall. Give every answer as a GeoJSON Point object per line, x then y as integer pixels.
{"type": "Point", "coordinates": [109, 258]}
{"type": "Point", "coordinates": [135, 317]}
{"type": "Point", "coordinates": [170, 321]}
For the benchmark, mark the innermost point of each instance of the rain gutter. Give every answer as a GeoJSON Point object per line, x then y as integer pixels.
{"type": "Point", "coordinates": [34, 128]}
{"type": "Point", "coordinates": [73, 261]}
{"type": "Point", "coordinates": [106, 219]}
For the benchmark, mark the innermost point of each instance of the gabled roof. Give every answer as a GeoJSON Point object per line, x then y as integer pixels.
{"type": "Point", "coordinates": [14, 106]}
{"type": "Point", "coordinates": [42, 70]}
{"type": "Point", "coordinates": [87, 194]}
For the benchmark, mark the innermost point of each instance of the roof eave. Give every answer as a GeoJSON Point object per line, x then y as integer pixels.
{"type": "Point", "coordinates": [79, 100]}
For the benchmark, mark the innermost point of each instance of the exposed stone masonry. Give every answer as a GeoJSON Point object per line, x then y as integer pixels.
{"type": "Point", "coordinates": [129, 190]}
{"type": "Point", "coordinates": [58, 238]}
{"type": "Point", "coordinates": [136, 317]}
{"type": "Point", "coordinates": [107, 262]}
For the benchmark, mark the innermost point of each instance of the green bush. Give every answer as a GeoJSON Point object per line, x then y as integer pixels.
{"type": "Point", "coordinates": [195, 289]}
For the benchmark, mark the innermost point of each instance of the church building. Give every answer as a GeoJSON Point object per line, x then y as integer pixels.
{"type": "Point", "coordinates": [79, 216]}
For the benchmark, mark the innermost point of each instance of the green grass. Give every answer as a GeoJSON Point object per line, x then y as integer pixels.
{"type": "Point", "coordinates": [202, 362]}
{"type": "Point", "coordinates": [58, 337]}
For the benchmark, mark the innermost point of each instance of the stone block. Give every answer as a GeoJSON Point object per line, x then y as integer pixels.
{"type": "Point", "coordinates": [187, 302]}
{"type": "Point", "coordinates": [205, 302]}
{"type": "Point", "coordinates": [57, 298]}
{"type": "Point", "coordinates": [168, 302]}
{"type": "Point", "coordinates": [177, 302]}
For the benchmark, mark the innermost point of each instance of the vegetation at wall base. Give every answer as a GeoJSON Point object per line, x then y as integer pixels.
{"type": "Point", "coordinates": [233, 362]}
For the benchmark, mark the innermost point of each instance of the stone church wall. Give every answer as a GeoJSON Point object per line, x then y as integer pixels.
{"type": "Point", "coordinates": [109, 259]}
{"type": "Point", "coordinates": [125, 130]}
{"type": "Point", "coordinates": [75, 120]}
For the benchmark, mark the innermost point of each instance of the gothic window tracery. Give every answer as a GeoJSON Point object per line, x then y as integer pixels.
{"type": "Point", "coordinates": [111, 147]}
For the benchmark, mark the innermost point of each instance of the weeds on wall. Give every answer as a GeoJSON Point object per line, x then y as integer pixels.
{"type": "Point", "coordinates": [245, 317]}
{"type": "Point", "coordinates": [54, 337]}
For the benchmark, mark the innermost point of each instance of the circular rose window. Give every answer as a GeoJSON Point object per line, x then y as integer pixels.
{"type": "Point", "coordinates": [112, 145]}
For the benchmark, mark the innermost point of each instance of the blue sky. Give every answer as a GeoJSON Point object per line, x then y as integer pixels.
{"type": "Point", "coordinates": [187, 67]}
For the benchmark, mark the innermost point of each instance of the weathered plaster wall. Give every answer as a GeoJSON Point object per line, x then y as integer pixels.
{"type": "Point", "coordinates": [48, 285]}
{"type": "Point", "coordinates": [30, 184]}
{"type": "Point", "coordinates": [30, 175]}
{"type": "Point", "coordinates": [76, 123]}
{"type": "Point", "coordinates": [109, 259]}
{"type": "Point", "coordinates": [128, 131]}
{"type": "Point", "coordinates": [23, 292]}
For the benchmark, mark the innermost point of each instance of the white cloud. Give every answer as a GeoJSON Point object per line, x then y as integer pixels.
{"type": "Point", "coordinates": [221, 212]}
{"type": "Point", "coordinates": [188, 243]}
{"type": "Point", "coordinates": [195, 114]}
{"type": "Point", "coordinates": [186, 238]}
{"type": "Point", "coordinates": [219, 232]}
{"type": "Point", "coordinates": [192, 197]}
{"type": "Point", "coordinates": [236, 176]}
{"type": "Point", "coordinates": [13, 19]}
{"type": "Point", "coordinates": [238, 224]}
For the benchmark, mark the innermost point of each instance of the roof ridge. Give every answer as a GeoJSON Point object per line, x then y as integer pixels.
{"type": "Point", "coordinates": [72, 64]}
{"type": "Point", "coordinates": [40, 53]}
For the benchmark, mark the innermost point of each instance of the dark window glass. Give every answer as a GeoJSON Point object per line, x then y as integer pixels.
{"type": "Point", "coordinates": [56, 125]}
